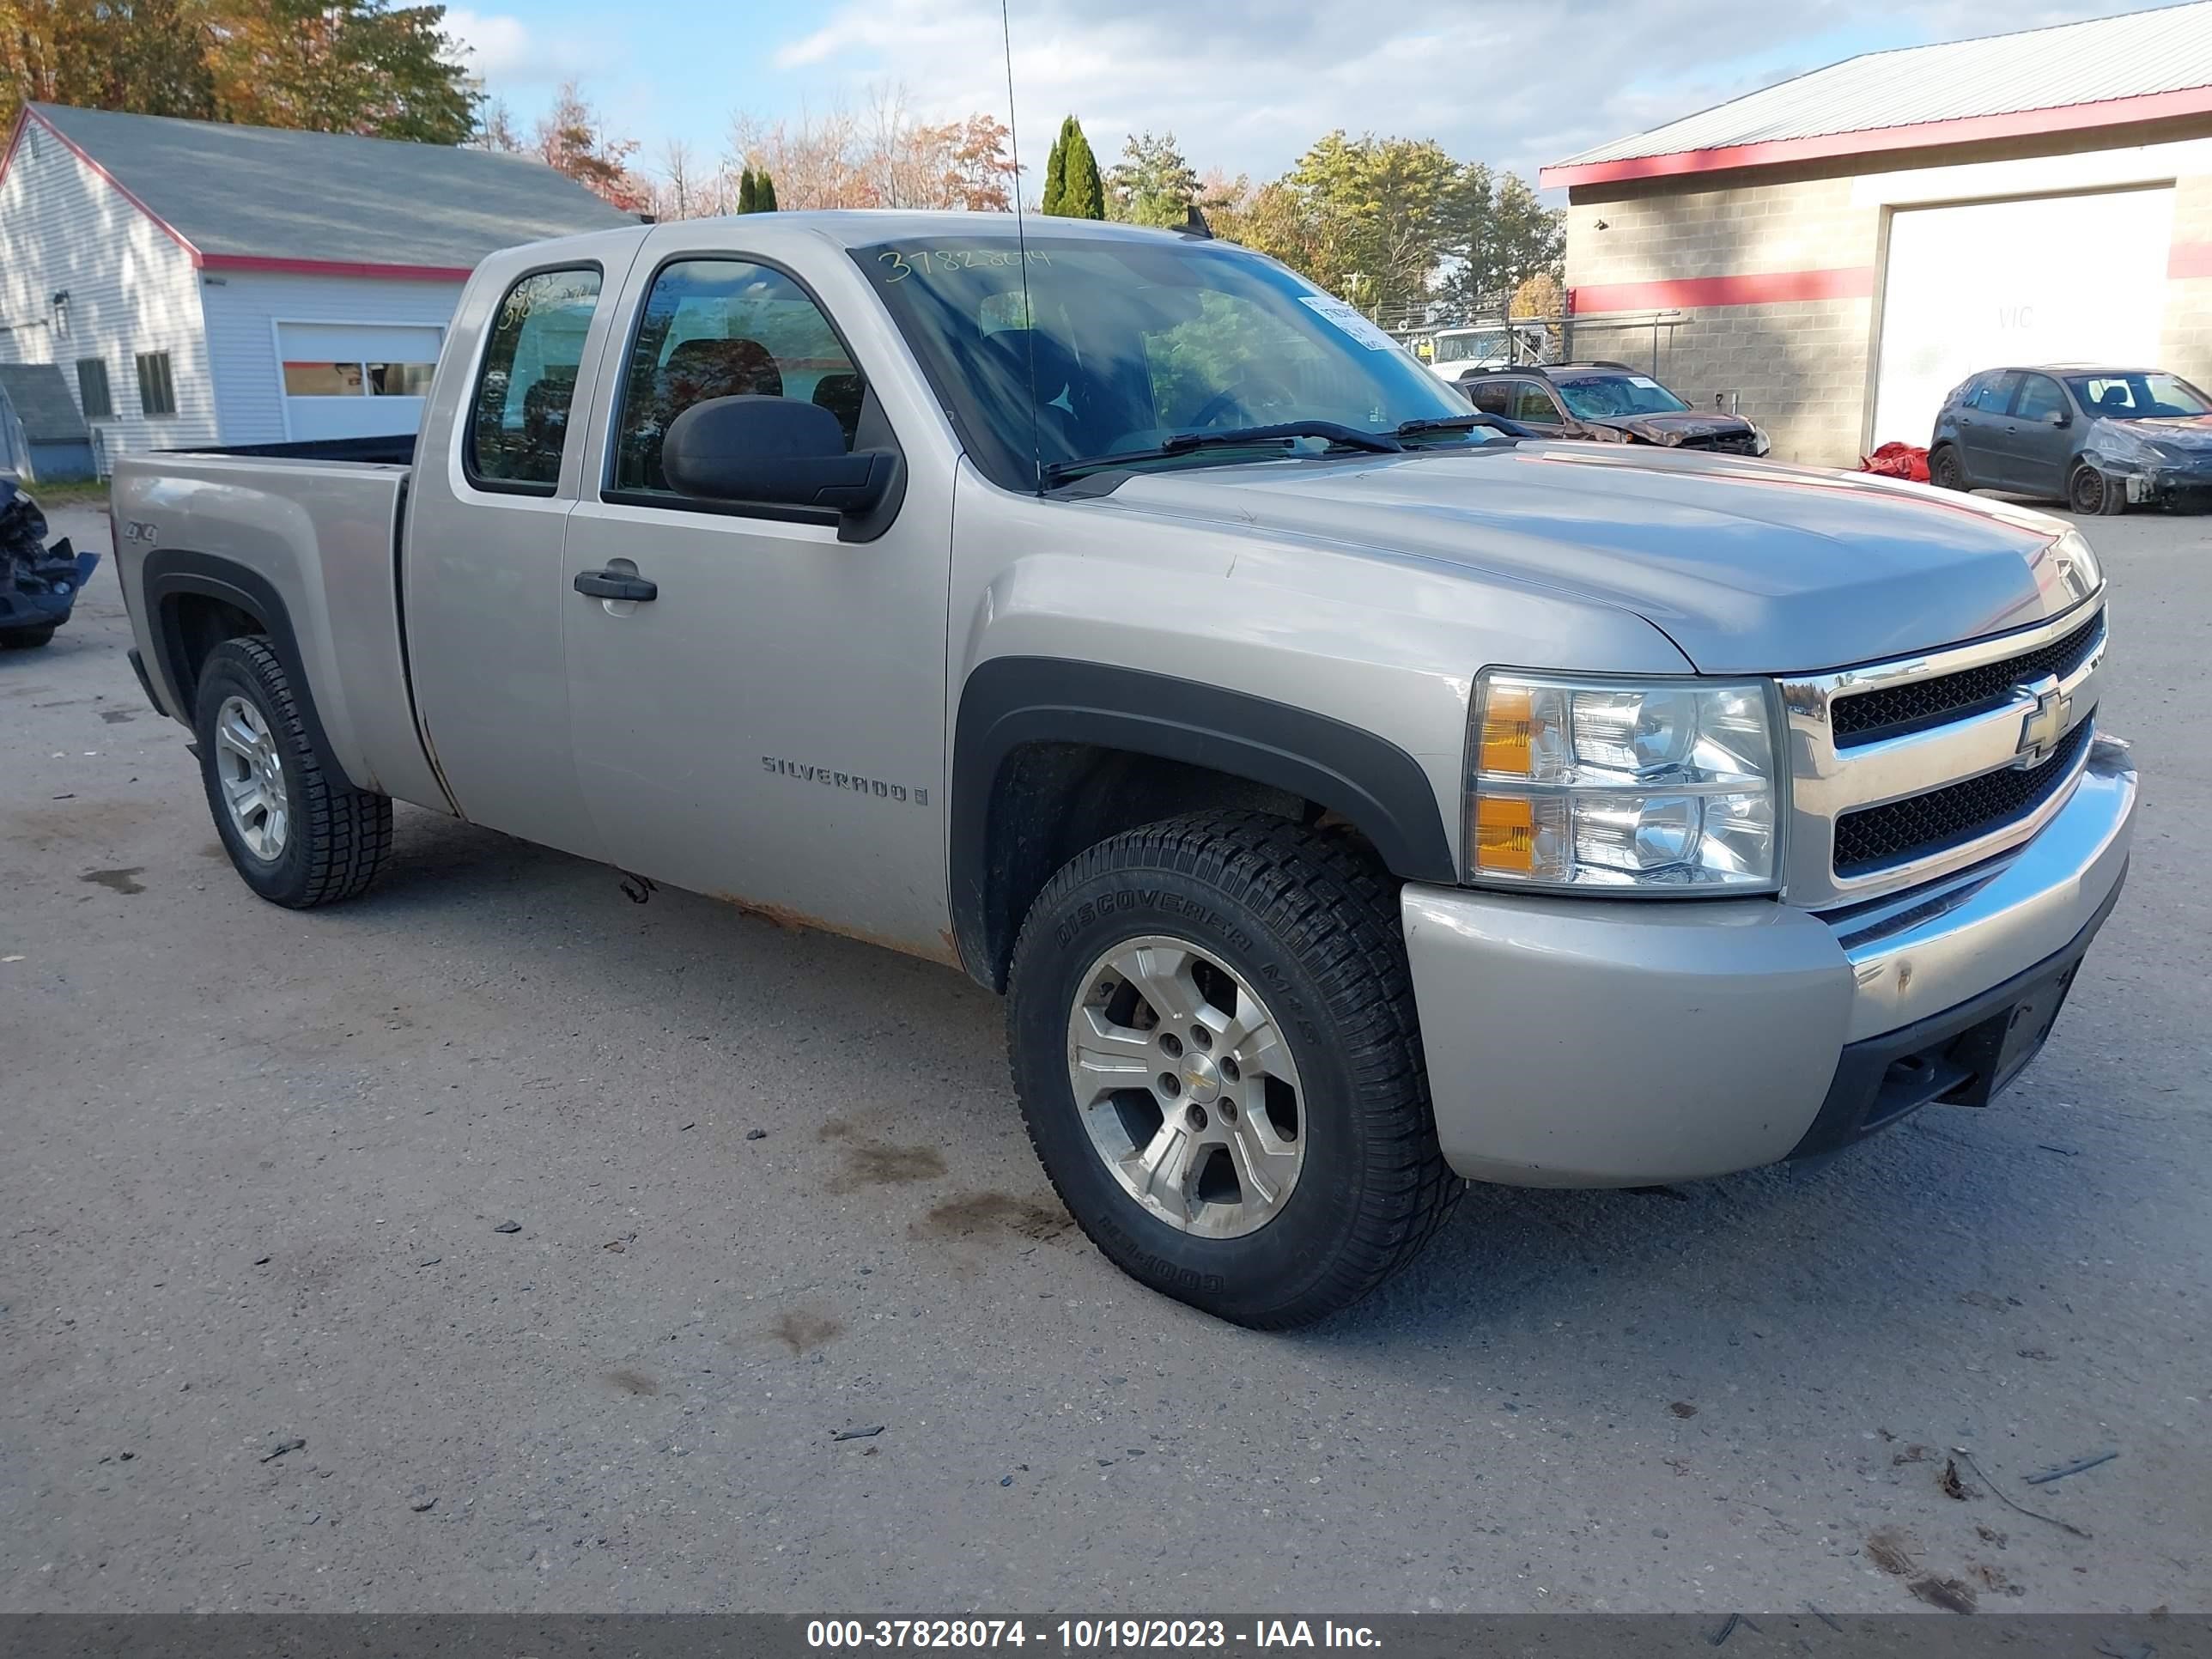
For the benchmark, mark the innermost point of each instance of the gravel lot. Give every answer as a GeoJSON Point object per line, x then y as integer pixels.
{"type": "Point", "coordinates": [254, 1168]}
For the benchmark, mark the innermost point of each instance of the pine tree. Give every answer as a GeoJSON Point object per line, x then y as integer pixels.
{"type": "Point", "coordinates": [1055, 171]}
{"type": "Point", "coordinates": [1084, 195]}
{"type": "Point", "coordinates": [748, 192]}
{"type": "Point", "coordinates": [764, 193]}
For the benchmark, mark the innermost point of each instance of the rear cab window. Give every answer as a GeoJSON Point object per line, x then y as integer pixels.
{"type": "Point", "coordinates": [518, 422]}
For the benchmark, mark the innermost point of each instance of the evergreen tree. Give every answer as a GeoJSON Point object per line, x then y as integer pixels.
{"type": "Point", "coordinates": [748, 192]}
{"type": "Point", "coordinates": [1084, 193]}
{"type": "Point", "coordinates": [764, 193]}
{"type": "Point", "coordinates": [1056, 170]}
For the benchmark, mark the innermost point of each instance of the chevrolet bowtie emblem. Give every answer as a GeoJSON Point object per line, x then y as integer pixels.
{"type": "Point", "coordinates": [2043, 726]}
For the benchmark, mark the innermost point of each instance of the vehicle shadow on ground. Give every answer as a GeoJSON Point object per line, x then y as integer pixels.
{"type": "Point", "coordinates": [1837, 1254]}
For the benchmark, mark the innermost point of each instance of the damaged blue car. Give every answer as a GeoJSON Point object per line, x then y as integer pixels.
{"type": "Point", "coordinates": [39, 584]}
{"type": "Point", "coordinates": [2100, 440]}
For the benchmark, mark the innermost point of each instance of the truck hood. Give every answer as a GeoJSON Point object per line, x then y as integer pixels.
{"type": "Point", "coordinates": [1749, 567]}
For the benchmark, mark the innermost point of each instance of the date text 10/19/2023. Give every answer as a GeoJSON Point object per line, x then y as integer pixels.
{"type": "Point", "coordinates": [1088, 1635]}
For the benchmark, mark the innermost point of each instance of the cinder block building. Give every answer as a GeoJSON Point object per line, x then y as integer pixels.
{"type": "Point", "coordinates": [1834, 253]}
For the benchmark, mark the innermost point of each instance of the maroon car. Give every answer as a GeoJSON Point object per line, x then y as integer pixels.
{"type": "Point", "coordinates": [1608, 403]}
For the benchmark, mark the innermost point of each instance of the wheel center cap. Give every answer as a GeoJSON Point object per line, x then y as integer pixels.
{"type": "Point", "coordinates": [1201, 1079]}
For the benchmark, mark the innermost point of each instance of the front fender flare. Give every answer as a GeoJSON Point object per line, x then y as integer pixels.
{"type": "Point", "coordinates": [1008, 702]}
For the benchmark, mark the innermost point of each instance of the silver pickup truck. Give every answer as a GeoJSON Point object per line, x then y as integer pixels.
{"type": "Point", "coordinates": [1350, 794]}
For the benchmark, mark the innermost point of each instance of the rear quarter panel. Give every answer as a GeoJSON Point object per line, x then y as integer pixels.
{"type": "Point", "coordinates": [322, 538]}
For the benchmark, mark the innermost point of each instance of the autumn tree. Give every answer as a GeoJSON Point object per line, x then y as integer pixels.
{"type": "Point", "coordinates": [1151, 184]}
{"type": "Point", "coordinates": [496, 129]}
{"type": "Point", "coordinates": [888, 159]}
{"type": "Point", "coordinates": [362, 66]}
{"type": "Point", "coordinates": [571, 140]}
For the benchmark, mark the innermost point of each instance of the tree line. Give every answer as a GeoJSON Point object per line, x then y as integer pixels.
{"type": "Point", "coordinates": [1399, 226]}
{"type": "Point", "coordinates": [1396, 225]}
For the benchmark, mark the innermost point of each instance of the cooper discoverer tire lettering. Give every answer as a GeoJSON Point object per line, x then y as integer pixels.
{"type": "Point", "coordinates": [1214, 1041]}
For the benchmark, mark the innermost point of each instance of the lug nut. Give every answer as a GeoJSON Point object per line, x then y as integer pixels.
{"type": "Point", "coordinates": [1171, 1045]}
{"type": "Point", "coordinates": [1228, 1111]}
{"type": "Point", "coordinates": [1229, 1071]}
{"type": "Point", "coordinates": [1195, 1114]}
{"type": "Point", "coordinates": [1170, 1084]}
{"type": "Point", "coordinates": [1200, 1038]}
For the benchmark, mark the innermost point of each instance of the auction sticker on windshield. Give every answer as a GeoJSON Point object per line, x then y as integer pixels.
{"type": "Point", "coordinates": [1341, 313]}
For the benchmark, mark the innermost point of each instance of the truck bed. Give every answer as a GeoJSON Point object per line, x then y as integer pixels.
{"type": "Point", "coordinates": [310, 535]}
{"type": "Point", "coordinates": [395, 450]}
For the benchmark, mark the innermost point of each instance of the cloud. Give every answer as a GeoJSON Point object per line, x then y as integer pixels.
{"type": "Point", "coordinates": [505, 51]}
{"type": "Point", "coordinates": [1246, 85]}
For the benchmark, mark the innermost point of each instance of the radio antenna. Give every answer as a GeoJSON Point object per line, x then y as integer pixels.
{"type": "Point", "coordinates": [1022, 249]}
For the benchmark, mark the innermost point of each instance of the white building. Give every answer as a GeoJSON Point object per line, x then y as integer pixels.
{"type": "Point", "coordinates": [201, 284]}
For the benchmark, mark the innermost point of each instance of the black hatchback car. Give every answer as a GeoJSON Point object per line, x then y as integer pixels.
{"type": "Point", "coordinates": [2099, 439]}
{"type": "Point", "coordinates": [1609, 403]}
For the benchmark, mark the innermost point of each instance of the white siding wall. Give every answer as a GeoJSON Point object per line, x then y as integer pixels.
{"type": "Point", "coordinates": [244, 306]}
{"type": "Point", "coordinates": [131, 288]}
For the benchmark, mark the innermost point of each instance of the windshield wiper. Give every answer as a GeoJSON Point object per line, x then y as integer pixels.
{"type": "Point", "coordinates": [1461, 423]}
{"type": "Point", "coordinates": [1236, 437]}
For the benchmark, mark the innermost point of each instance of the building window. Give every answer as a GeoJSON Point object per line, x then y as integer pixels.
{"type": "Point", "coordinates": [92, 392]}
{"type": "Point", "coordinates": [157, 390]}
{"type": "Point", "coordinates": [357, 379]}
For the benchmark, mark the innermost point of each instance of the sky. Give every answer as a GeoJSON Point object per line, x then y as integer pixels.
{"type": "Point", "coordinates": [1245, 85]}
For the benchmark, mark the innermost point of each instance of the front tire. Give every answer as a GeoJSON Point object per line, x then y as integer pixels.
{"type": "Point", "coordinates": [297, 834]}
{"type": "Point", "coordinates": [1944, 469]}
{"type": "Point", "coordinates": [1214, 1038]}
{"type": "Point", "coordinates": [2089, 492]}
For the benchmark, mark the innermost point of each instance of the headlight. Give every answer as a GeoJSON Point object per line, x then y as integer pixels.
{"type": "Point", "coordinates": [1760, 443]}
{"type": "Point", "coordinates": [2074, 566]}
{"type": "Point", "coordinates": [1605, 785]}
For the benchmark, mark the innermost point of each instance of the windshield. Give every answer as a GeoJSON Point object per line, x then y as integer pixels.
{"type": "Point", "coordinates": [1132, 343]}
{"type": "Point", "coordinates": [1607, 397]}
{"type": "Point", "coordinates": [2137, 396]}
{"type": "Point", "coordinates": [1484, 347]}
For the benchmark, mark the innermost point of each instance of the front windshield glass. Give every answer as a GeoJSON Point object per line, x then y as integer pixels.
{"type": "Point", "coordinates": [1609, 397]}
{"type": "Point", "coordinates": [2148, 396]}
{"type": "Point", "coordinates": [1485, 347]}
{"type": "Point", "coordinates": [1132, 343]}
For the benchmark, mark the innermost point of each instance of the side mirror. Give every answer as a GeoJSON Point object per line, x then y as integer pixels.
{"type": "Point", "coordinates": [773, 452]}
{"type": "Point", "coordinates": [2059, 417]}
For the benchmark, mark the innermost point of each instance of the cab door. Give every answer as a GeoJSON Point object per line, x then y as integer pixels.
{"type": "Point", "coordinates": [765, 723]}
{"type": "Point", "coordinates": [496, 476]}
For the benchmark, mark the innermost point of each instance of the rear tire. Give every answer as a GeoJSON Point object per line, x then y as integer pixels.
{"type": "Point", "coordinates": [2088, 491]}
{"type": "Point", "coordinates": [1944, 469]}
{"type": "Point", "coordinates": [24, 639]}
{"type": "Point", "coordinates": [298, 834]}
{"type": "Point", "coordinates": [1271, 1192]}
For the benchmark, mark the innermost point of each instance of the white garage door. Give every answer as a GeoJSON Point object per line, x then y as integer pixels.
{"type": "Point", "coordinates": [2050, 279]}
{"type": "Point", "coordinates": [355, 379]}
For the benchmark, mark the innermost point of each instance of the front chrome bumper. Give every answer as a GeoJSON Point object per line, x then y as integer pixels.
{"type": "Point", "coordinates": [1588, 1042]}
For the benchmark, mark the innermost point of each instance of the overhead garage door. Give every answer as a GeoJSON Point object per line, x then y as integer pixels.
{"type": "Point", "coordinates": [2048, 279]}
{"type": "Point", "coordinates": [355, 379]}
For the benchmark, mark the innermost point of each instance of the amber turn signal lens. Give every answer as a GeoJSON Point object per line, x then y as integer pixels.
{"type": "Point", "coordinates": [1507, 721]}
{"type": "Point", "coordinates": [1505, 834]}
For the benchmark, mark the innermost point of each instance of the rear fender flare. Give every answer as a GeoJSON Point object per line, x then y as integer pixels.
{"type": "Point", "coordinates": [171, 573]}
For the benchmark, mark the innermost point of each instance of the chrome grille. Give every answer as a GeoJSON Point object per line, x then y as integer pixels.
{"type": "Point", "coordinates": [1869, 715]}
{"type": "Point", "coordinates": [1904, 771]}
{"type": "Point", "coordinates": [1913, 828]}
